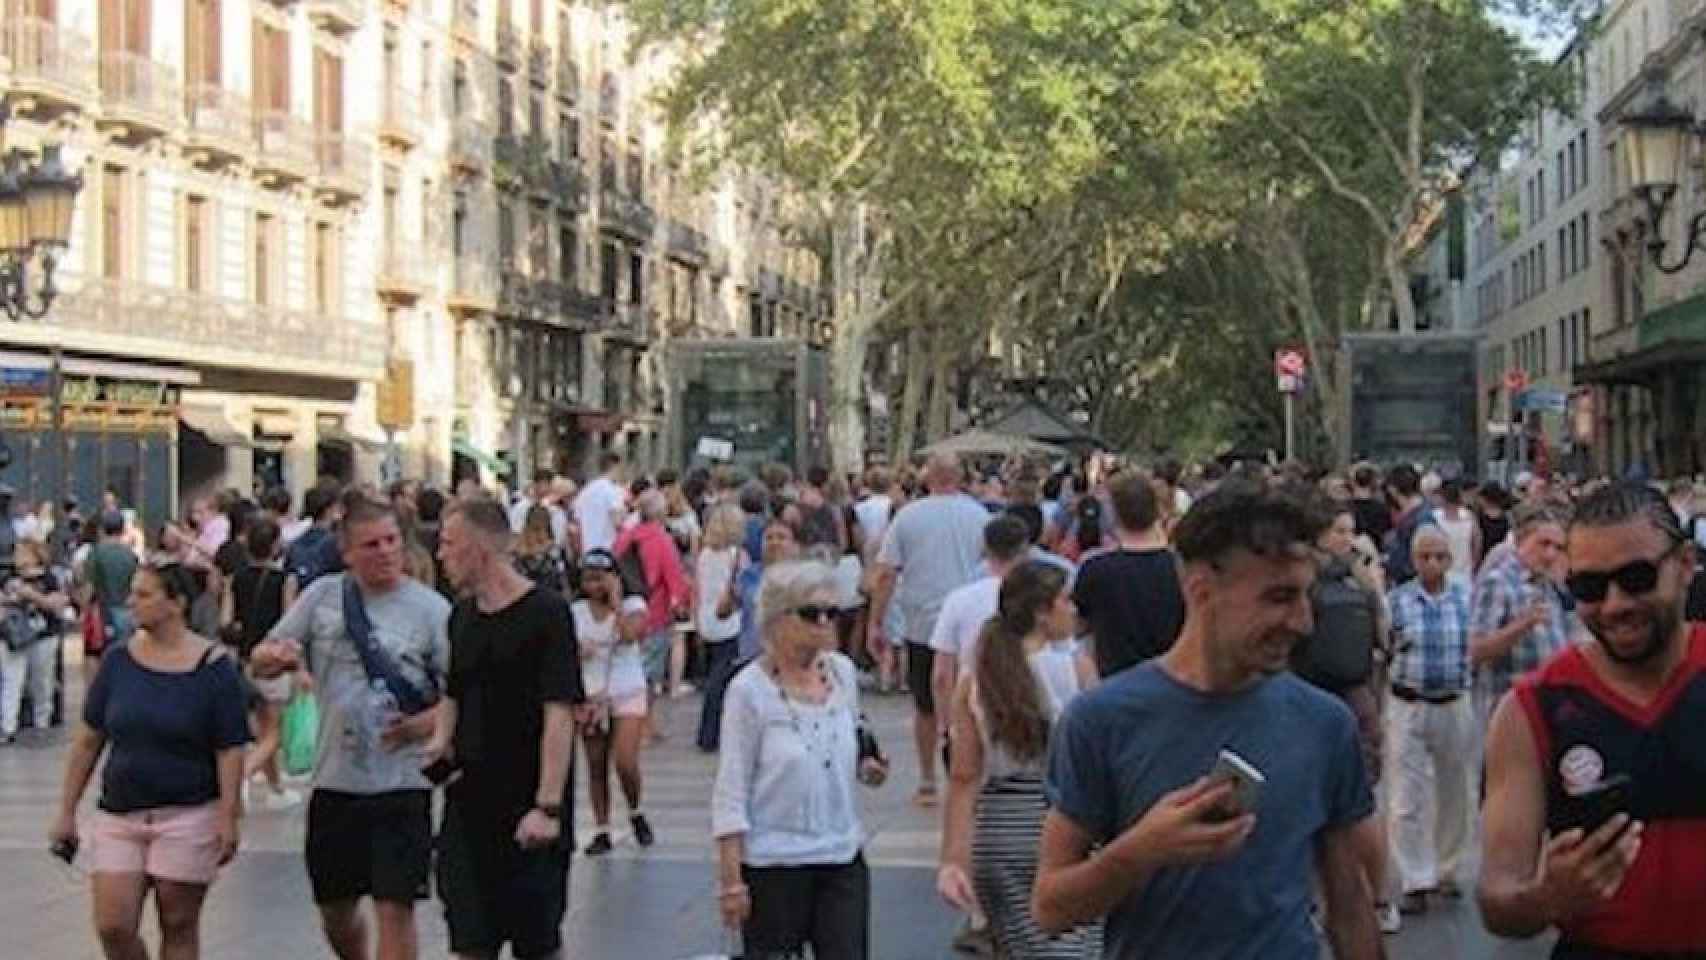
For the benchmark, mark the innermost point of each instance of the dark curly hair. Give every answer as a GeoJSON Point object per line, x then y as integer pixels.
{"type": "Point", "coordinates": [1251, 515]}
{"type": "Point", "coordinates": [1620, 502]}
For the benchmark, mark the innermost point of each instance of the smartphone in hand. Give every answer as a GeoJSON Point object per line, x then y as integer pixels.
{"type": "Point", "coordinates": [1247, 782]}
{"type": "Point", "coordinates": [1590, 807]}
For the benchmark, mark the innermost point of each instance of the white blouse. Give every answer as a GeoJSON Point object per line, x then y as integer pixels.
{"type": "Point", "coordinates": [787, 770]}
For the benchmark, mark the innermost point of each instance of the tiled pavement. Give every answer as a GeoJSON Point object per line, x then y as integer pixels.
{"type": "Point", "coordinates": [651, 905]}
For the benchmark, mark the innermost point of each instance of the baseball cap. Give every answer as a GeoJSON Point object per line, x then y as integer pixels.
{"type": "Point", "coordinates": [599, 560]}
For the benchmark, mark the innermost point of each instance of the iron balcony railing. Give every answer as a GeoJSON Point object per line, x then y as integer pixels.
{"type": "Point", "coordinates": [48, 61]}
{"type": "Point", "coordinates": [219, 118]}
{"type": "Point", "coordinates": [140, 90]}
{"type": "Point", "coordinates": [286, 143]}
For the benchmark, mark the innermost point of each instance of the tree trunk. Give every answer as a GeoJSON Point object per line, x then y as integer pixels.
{"type": "Point", "coordinates": [855, 278]}
{"type": "Point", "coordinates": [1398, 279]}
{"type": "Point", "coordinates": [912, 393]}
{"type": "Point", "coordinates": [939, 413]}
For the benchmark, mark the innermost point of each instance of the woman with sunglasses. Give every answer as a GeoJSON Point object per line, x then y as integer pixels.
{"type": "Point", "coordinates": [1020, 676]}
{"type": "Point", "coordinates": [783, 810]}
{"type": "Point", "coordinates": [609, 628]}
{"type": "Point", "coordinates": [169, 706]}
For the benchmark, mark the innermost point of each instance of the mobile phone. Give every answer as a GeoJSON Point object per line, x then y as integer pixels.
{"type": "Point", "coordinates": [1246, 781]}
{"type": "Point", "coordinates": [868, 748]}
{"type": "Point", "coordinates": [65, 849]}
{"type": "Point", "coordinates": [1590, 807]}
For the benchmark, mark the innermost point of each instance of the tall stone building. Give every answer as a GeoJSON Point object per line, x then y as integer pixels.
{"type": "Point", "coordinates": [338, 236]}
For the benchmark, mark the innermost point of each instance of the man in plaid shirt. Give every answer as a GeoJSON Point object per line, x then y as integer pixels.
{"type": "Point", "coordinates": [1518, 619]}
{"type": "Point", "coordinates": [1431, 724]}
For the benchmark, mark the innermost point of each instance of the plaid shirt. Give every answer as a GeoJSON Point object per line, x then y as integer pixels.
{"type": "Point", "coordinates": [1430, 637]}
{"type": "Point", "coordinates": [1503, 590]}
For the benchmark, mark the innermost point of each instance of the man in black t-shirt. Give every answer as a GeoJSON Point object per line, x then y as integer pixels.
{"type": "Point", "coordinates": [508, 722]}
{"type": "Point", "coordinates": [1368, 507]}
{"type": "Point", "coordinates": [1129, 596]}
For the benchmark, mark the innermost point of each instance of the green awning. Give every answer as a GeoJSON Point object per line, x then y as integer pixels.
{"type": "Point", "coordinates": [481, 457]}
{"type": "Point", "coordinates": [1682, 320]}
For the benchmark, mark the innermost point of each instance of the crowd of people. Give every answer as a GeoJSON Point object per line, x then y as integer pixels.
{"type": "Point", "coordinates": [1298, 697]}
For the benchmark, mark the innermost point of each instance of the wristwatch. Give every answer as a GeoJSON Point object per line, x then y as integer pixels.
{"type": "Point", "coordinates": [552, 810]}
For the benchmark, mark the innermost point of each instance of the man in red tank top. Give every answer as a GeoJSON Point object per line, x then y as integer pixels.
{"type": "Point", "coordinates": [1630, 706]}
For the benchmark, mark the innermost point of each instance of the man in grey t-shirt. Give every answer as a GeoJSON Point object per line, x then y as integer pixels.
{"type": "Point", "coordinates": [370, 818]}
{"type": "Point", "coordinates": [932, 547]}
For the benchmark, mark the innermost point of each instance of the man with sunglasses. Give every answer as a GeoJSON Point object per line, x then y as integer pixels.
{"type": "Point", "coordinates": [1518, 619]}
{"type": "Point", "coordinates": [1623, 880]}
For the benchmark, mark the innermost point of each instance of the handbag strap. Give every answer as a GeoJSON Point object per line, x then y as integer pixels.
{"type": "Point", "coordinates": [377, 664]}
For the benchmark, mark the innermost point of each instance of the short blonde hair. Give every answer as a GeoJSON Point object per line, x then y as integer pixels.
{"type": "Point", "coordinates": [725, 527]}
{"type": "Point", "coordinates": [789, 585]}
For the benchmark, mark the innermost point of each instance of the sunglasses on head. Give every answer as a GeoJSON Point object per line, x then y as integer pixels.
{"type": "Point", "coordinates": [1635, 579]}
{"type": "Point", "coordinates": [812, 613]}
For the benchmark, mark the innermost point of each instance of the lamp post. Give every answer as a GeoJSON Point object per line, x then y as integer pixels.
{"type": "Point", "coordinates": [36, 204]}
{"type": "Point", "coordinates": [1655, 140]}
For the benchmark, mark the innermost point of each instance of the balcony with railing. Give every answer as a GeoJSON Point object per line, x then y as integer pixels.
{"type": "Point", "coordinates": [568, 78]}
{"type": "Point", "coordinates": [52, 68]}
{"type": "Point", "coordinates": [539, 63]}
{"type": "Point", "coordinates": [199, 328]}
{"type": "Point", "coordinates": [402, 275]}
{"type": "Point", "coordinates": [343, 165]}
{"type": "Point", "coordinates": [515, 292]}
{"type": "Point", "coordinates": [336, 16]}
{"type": "Point", "coordinates": [221, 123]}
{"type": "Point", "coordinates": [630, 323]}
{"type": "Point", "coordinates": [568, 183]}
{"type": "Point", "coordinates": [285, 146]}
{"type": "Point", "coordinates": [626, 214]}
{"type": "Point", "coordinates": [508, 46]}
{"type": "Point", "coordinates": [473, 286]}
{"type": "Point", "coordinates": [687, 242]}
{"type": "Point", "coordinates": [470, 145]}
{"type": "Point", "coordinates": [583, 309]}
{"type": "Point", "coordinates": [140, 96]}
{"type": "Point", "coordinates": [400, 119]}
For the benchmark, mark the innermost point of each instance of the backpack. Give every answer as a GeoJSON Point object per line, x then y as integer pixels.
{"type": "Point", "coordinates": [1339, 654]}
{"type": "Point", "coordinates": [633, 571]}
{"type": "Point", "coordinates": [312, 556]}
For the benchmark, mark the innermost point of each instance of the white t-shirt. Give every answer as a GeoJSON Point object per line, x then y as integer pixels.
{"type": "Point", "coordinates": [712, 574]}
{"type": "Point", "coordinates": [559, 519]}
{"type": "Point", "coordinates": [608, 668]}
{"type": "Point", "coordinates": [963, 616]}
{"type": "Point", "coordinates": [594, 508]}
{"type": "Point", "coordinates": [873, 516]}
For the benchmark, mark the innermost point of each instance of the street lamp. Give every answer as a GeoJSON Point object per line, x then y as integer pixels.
{"type": "Point", "coordinates": [1655, 141]}
{"type": "Point", "coordinates": [36, 203]}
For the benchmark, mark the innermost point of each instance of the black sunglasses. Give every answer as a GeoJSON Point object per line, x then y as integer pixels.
{"type": "Point", "coordinates": [1636, 579]}
{"type": "Point", "coordinates": [812, 613]}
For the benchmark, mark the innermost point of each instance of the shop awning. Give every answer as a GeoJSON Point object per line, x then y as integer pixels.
{"type": "Point", "coordinates": [1642, 367]}
{"type": "Point", "coordinates": [481, 457]}
{"type": "Point", "coordinates": [335, 435]}
{"type": "Point", "coordinates": [211, 422]}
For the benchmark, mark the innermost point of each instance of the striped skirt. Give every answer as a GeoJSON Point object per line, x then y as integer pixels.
{"type": "Point", "coordinates": [1004, 868]}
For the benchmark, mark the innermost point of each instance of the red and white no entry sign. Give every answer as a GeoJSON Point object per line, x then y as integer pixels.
{"type": "Point", "coordinates": [1290, 362]}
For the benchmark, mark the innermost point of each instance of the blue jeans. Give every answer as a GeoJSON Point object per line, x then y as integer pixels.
{"type": "Point", "coordinates": [721, 664]}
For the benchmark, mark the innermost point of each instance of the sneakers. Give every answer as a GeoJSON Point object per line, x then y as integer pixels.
{"type": "Point", "coordinates": [599, 846]}
{"type": "Point", "coordinates": [1387, 915]}
{"type": "Point", "coordinates": [642, 830]}
{"type": "Point", "coordinates": [282, 799]}
{"type": "Point", "coordinates": [974, 941]}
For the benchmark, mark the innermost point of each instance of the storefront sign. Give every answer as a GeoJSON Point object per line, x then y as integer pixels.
{"type": "Point", "coordinates": [20, 382]}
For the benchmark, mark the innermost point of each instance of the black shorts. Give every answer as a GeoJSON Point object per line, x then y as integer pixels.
{"type": "Point", "coordinates": [495, 893]}
{"type": "Point", "coordinates": [920, 663]}
{"type": "Point", "coordinates": [369, 845]}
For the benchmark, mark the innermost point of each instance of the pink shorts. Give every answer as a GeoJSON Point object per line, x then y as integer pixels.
{"type": "Point", "coordinates": [632, 705]}
{"type": "Point", "coordinates": [168, 843]}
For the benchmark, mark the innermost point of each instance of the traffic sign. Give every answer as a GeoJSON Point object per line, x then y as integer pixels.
{"type": "Point", "coordinates": [1547, 401]}
{"type": "Point", "coordinates": [1516, 380]}
{"type": "Point", "coordinates": [1290, 362]}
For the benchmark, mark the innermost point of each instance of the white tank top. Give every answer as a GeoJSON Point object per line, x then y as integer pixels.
{"type": "Point", "coordinates": [1460, 536]}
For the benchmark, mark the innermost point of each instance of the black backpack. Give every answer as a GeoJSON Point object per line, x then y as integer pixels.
{"type": "Point", "coordinates": [633, 572]}
{"type": "Point", "coordinates": [1339, 654]}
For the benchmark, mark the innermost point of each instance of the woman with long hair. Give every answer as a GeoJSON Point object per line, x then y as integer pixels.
{"type": "Point", "coordinates": [791, 871]}
{"type": "Point", "coordinates": [609, 629]}
{"type": "Point", "coordinates": [538, 555]}
{"type": "Point", "coordinates": [167, 709]}
{"type": "Point", "coordinates": [718, 610]}
{"type": "Point", "coordinates": [1023, 674]}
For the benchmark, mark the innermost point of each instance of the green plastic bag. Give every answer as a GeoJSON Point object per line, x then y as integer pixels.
{"type": "Point", "coordinates": [299, 729]}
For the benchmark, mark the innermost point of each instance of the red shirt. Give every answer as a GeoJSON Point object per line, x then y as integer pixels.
{"type": "Point", "coordinates": [666, 585]}
{"type": "Point", "coordinates": [1585, 732]}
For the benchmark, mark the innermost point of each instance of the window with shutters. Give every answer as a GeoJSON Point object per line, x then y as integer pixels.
{"type": "Point", "coordinates": [538, 241]}
{"type": "Point", "coordinates": [506, 107]}
{"type": "Point", "coordinates": [113, 221]}
{"type": "Point", "coordinates": [328, 91]}
{"type": "Point", "coordinates": [201, 42]}
{"type": "Point", "coordinates": [459, 225]}
{"type": "Point", "coordinates": [271, 80]}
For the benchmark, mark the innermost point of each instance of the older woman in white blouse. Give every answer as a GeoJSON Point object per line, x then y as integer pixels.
{"type": "Point", "coordinates": [783, 812]}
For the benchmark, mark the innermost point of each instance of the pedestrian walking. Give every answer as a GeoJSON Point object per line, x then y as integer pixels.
{"type": "Point", "coordinates": [1129, 594]}
{"type": "Point", "coordinates": [1181, 860]}
{"type": "Point", "coordinates": [253, 604]}
{"type": "Point", "coordinates": [601, 505]}
{"type": "Point", "coordinates": [507, 720]}
{"type": "Point", "coordinates": [375, 646]}
{"type": "Point", "coordinates": [538, 555]}
{"type": "Point", "coordinates": [610, 628]}
{"type": "Point", "coordinates": [1021, 675]}
{"type": "Point", "coordinates": [1432, 726]}
{"type": "Point", "coordinates": [1517, 618]}
{"type": "Point", "coordinates": [717, 569]}
{"type": "Point", "coordinates": [109, 569]}
{"type": "Point", "coordinates": [33, 603]}
{"type": "Point", "coordinates": [166, 711]}
{"type": "Point", "coordinates": [932, 547]}
{"type": "Point", "coordinates": [1594, 808]}
{"type": "Point", "coordinates": [790, 867]}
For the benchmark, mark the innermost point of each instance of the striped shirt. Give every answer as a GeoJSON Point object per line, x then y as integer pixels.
{"type": "Point", "coordinates": [1430, 637]}
{"type": "Point", "coordinates": [1503, 591]}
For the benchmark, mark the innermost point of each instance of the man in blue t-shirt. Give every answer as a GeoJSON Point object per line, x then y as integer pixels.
{"type": "Point", "coordinates": [1141, 833]}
